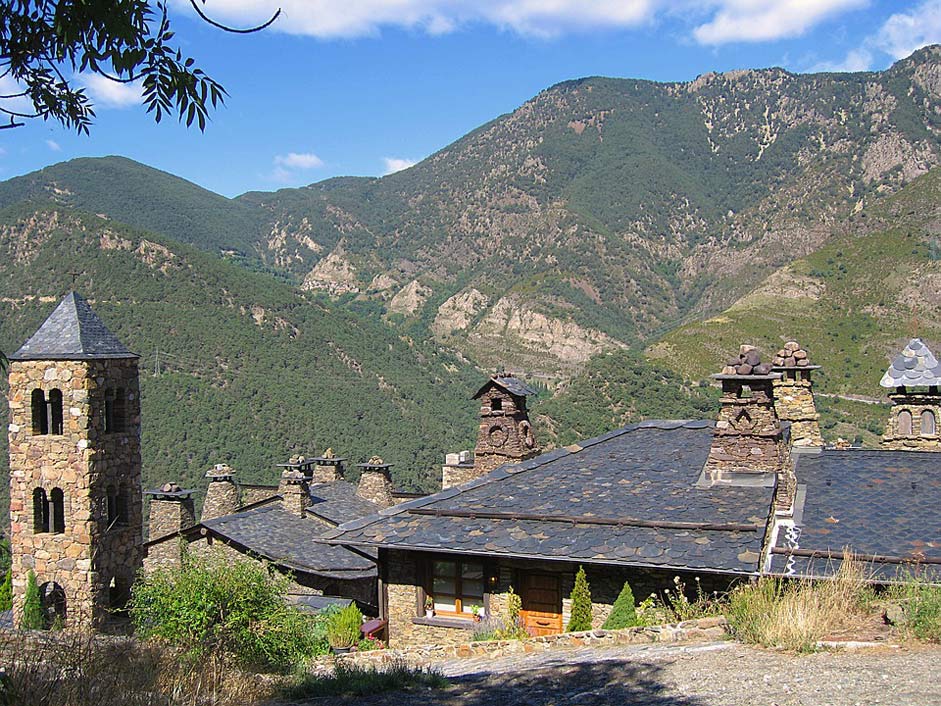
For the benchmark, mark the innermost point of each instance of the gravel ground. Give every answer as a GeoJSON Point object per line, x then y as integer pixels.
{"type": "Point", "coordinates": [715, 674]}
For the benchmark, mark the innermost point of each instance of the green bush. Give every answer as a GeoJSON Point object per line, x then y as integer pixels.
{"type": "Point", "coordinates": [580, 618]}
{"type": "Point", "coordinates": [33, 618]}
{"type": "Point", "coordinates": [922, 605]}
{"type": "Point", "coordinates": [6, 591]}
{"type": "Point", "coordinates": [211, 604]}
{"type": "Point", "coordinates": [354, 680]}
{"type": "Point", "coordinates": [624, 611]}
{"type": "Point", "coordinates": [343, 628]}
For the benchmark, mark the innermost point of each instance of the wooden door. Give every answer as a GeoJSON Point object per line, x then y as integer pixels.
{"type": "Point", "coordinates": [542, 604]}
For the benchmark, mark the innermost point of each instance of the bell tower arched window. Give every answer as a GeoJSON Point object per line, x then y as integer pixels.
{"type": "Point", "coordinates": [928, 423]}
{"type": "Point", "coordinates": [55, 411]}
{"type": "Point", "coordinates": [40, 511]}
{"type": "Point", "coordinates": [115, 411]}
{"type": "Point", "coordinates": [46, 412]}
{"type": "Point", "coordinates": [57, 504]}
{"type": "Point", "coordinates": [38, 405]}
{"type": "Point", "coordinates": [905, 423]}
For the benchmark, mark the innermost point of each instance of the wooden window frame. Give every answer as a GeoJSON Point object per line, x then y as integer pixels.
{"type": "Point", "coordinates": [427, 587]}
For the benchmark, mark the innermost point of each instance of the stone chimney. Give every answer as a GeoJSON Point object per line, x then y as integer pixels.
{"type": "Point", "coordinates": [375, 482]}
{"type": "Point", "coordinates": [794, 395]}
{"type": "Point", "coordinates": [171, 511]}
{"type": "Point", "coordinates": [328, 468]}
{"type": "Point", "coordinates": [458, 468]}
{"type": "Point", "coordinates": [505, 434]}
{"type": "Point", "coordinates": [222, 495]}
{"type": "Point", "coordinates": [294, 492]}
{"type": "Point", "coordinates": [914, 378]}
{"type": "Point", "coordinates": [748, 441]}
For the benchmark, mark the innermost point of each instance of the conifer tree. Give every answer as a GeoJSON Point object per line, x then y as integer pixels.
{"type": "Point", "coordinates": [32, 607]}
{"type": "Point", "coordinates": [580, 618]}
{"type": "Point", "coordinates": [6, 591]}
{"type": "Point", "coordinates": [624, 611]}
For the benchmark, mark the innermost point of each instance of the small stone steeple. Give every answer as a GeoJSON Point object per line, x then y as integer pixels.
{"type": "Point", "coordinates": [375, 482]}
{"type": "Point", "coordinates": [222, 495]}
{"type": "Point", "coordinates": [328, 468]}
{"type": "Point", "coordinates": [914, 378]}
{"type": "Point", "coordinates": [794, 395]}
{"type": "Point", "coordinates": [505, 434]}
{"type": "Point", "coordinates": [294, 492]}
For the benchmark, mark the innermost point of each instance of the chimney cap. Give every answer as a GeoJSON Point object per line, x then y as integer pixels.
{"type": "Point", "coordinates": [170, 490]}
{"type": "Point", "coordinates": [220, 471]}
{"type": "Point", "coordinates": [768, 376]}
{"type": "Point", "coordinates": [298, 461]}
{"type": "Point", "coordinates": [374, 463]}
{"type": "Point", "coordinates": [293, 477]}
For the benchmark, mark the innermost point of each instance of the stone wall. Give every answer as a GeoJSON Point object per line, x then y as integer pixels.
{"type": "Point", "coordinates": [404, 592]}
{"type": "Point", "coordinates": [87, 464]}
{"type": "Point", "coordinates": [375, 485]}
{"type": "Point", "coordinates": [168, 515]}
{"type": "Point", "coordinates": [913, 438]}
{"type": "Point", "coordinates": [222, 498]}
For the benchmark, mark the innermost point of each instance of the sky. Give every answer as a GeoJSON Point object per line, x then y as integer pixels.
{"type": "Point", "coordinates": [367, 87]}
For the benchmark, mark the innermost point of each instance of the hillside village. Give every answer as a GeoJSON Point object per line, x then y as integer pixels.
{"type": "Point", "coordinates": [753, 492]}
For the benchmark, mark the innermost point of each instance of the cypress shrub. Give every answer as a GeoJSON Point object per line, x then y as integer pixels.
{"type": "Point", "coordinates": [6, 591]}
{"type": "Point", "coordinates": [580, 618]}
{"type": "Point", "coordinates": [623, 612]}
{"type": "Point", "coordinates": [343, 629]}
{"type": "Point", "coordinates": [32, 607]}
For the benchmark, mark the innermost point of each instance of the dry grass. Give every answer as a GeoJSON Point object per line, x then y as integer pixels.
{"type": "Point", "coordinates": [797, 614]}
{"type": "Point", "coordinates": [78, 669]}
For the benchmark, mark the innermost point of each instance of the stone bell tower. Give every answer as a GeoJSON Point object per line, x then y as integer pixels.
{"type": "Point", "coordinates": [75, 467]}
{"type": "Point", "coordinates": [505, 434]}
{"type": "Point", "coordinates": [914, 378]}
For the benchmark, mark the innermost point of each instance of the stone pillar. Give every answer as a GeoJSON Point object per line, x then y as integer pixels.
{"type": "Point", "coordinates": [375, 482]}
{"type": "Point", "coordinates": [328, 468]}
{"type": "Point", "coordinates": [222, 495]}
{"type": "Point", "coordinates": [294, 492]}
{"type": "Point", "coordinates": [794, 395]}
{"type": "Point", "coordinates": [171, 511]}
{"type": "Point", "coordinates": [458, 468]}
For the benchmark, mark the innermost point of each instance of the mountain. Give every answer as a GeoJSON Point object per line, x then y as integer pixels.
{"type": "Point", "coordinates": [594, 218]}
{"type": "Point", "coordinates": [235, 366]}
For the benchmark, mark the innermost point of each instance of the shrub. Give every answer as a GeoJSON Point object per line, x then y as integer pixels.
{"type": "Point", "coordinates": [213, 604]}
{"type": "Point", "coordinates": [33, 618]}
{"type": "Point", "coordinates": [343, 628]}
{"type": "Point", "coordinates": [514, 606]}
{"type": "Point", "coordinates": [354, 680]}
{"type": "Point", "coordinates": [624, 611]}
{"type": "Point", "coordinates": [6, 591]}
{"type": "Point", "coordinates": [580, 618]}
{"type": "Point", "coordinates": [922, 605]}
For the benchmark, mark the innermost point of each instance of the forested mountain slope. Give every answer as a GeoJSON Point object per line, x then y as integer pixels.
{"type": "Point", "coordinates": [236, 367]}
{"type": "Point", "coordinates": [600, 213]}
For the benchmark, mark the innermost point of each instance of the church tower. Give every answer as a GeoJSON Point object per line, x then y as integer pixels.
{"type": "Point", "coordinates": [75, 467]}
{"type": "Point", "coordinates": [914, 378]}
{"type": "Point", "coordinates": [505, 434]}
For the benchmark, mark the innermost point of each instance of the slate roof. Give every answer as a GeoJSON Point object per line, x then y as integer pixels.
{"type": "Point", "coordinates": [513, 385]}
{"type": "Point", "coordinates": [915, 366]}
{"type": "Point", "coordinates": [628, 497]}
{"type": "Point", "coordinates": [72, 332]}
{"type": "Point", "coordinates": [290, 541]}
{"type": "Point", "coordinates": [337, 502]}
{"type": "Point", "coordinates": [881, 503]}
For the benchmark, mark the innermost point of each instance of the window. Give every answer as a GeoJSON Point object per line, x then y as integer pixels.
{"type": "Point", "coordinates": [40, 511]}
{"type": "Point", "coordinates": [456, 586]}
{"type": "Point", "coordinates": [115, 411]}
{"type": "Point", "coordinates": [58, 510]}
{"type": "Point", "coordinates": [496, 404]}
{"type": "Point", "coordinates": [121, 505]}
{"type": "Point", "coordinates": [905, 423]}
{"type": "Point", "coordinates": [47, 413]}
{"type": "Point", "coordinates": [927, 423]}
{"type": "Point", "coordinates": [112, 506]}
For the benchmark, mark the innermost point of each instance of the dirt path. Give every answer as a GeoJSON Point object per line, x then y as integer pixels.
{"type": "Point", "coordinates": [715, 674]}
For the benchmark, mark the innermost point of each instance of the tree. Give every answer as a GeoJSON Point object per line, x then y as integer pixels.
{"type": "Point", "coordinates": [624, 611]}
{"type": "Point", "coordinates": [45, 43]}
{"type": "Point", "coordinates": [580, 618]}
{"type": "Point", "coordinates": [33, 618]}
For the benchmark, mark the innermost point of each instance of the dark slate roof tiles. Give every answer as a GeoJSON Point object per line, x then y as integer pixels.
{"type": "Point", "coordinates": [915, 366]}
{"type": "Point", "coordinates": [72, 332]}
{"type": "Point", "coordinates": [513, 385]}
{"type": "Point", "coordinates": [646, 472]}
{"type": "Point", "coordinates": [337, 502]}
{"type": "Point", "coordinates": [878, 503]}
{"type": "Point", "coordinates": [291, 541]}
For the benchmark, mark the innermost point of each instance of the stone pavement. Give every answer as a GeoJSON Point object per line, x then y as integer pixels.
{"type": "Point", "coordinates": [713, 674]}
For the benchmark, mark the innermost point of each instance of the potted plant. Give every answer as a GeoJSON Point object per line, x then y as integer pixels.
{"type": "Point", "coordinates": [478, 612]}
{"type": "Point", "coordinates": [429, 607]}
{"type": "Point", "coordinates": [343, 629]}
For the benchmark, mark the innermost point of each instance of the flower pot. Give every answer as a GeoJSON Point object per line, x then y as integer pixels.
{"type": "Point", "coordinates": [429, 613]}
{"type": "Point", "coordinates": [341, 650]}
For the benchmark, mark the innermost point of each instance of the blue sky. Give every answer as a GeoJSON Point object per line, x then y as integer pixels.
{"type": "Point", "coordinates": [365, 86]}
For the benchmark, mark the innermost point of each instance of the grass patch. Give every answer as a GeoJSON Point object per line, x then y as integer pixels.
{"type": "Point", "coordinates": [355, 680]}
{"type": "Point", "coordinates": [796, 614]}
{"type": "Point", "coordinates": [921, 604]}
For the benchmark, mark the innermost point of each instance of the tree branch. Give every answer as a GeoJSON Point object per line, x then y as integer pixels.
{"type": "Point", "coordinates": [205, 18]}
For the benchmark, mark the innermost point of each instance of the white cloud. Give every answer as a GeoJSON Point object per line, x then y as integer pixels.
{"type": "Point", "coordinates": [110, 94]}
{"type": "Point", "coordinates": [905, 32]}
{"type": "Point", "coordinates": [763, 20]}
{"type": "Point", "coordinates": [397, 164]}
{"type": "Point", "coordinates": [53, 145]}
{"type": "Point", "coordinates": [855, 60]}
{"type": "Point", "coordinates": [298, 160]}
